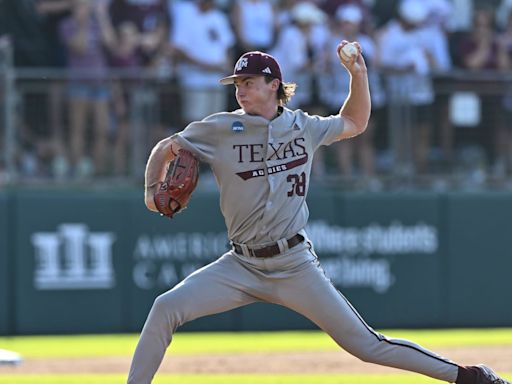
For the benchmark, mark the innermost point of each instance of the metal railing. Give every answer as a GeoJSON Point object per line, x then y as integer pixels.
{"type": "Point", "coordinates": [42, 108]}
{"type": "Point", "coordinates": [468, 118]}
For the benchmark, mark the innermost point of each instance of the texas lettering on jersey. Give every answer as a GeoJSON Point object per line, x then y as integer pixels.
{"type": "Point", "coordinates": [293, 154]}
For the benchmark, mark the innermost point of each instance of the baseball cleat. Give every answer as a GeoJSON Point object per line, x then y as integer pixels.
{"type": "Point", "coordinates": [487, 376]}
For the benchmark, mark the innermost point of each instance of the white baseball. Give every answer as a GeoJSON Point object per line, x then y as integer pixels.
{"type": "Point", "coordinates": [348, 51]}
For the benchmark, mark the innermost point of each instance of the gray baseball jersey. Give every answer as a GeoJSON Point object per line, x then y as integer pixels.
{"type": "Point", "coordinates": [262, 168]}
{"type": "Point", "coordinates": [270, 161]}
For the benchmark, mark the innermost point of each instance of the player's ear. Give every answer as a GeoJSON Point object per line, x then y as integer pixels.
{"type": "Point", "coordinates": [275, 84]}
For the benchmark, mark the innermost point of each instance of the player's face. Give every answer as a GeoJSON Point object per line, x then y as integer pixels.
{"type": "Point", "coordinates": [255, 95]}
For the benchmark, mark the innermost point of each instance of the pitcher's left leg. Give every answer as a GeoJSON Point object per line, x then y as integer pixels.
{"type": "Point", "coordinates": [311, 293]}
{"type": "Point", "coordinates": [217, 287]}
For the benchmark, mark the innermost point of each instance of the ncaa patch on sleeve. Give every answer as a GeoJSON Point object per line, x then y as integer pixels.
{"type": "Point", "coordinates": [237, 126]}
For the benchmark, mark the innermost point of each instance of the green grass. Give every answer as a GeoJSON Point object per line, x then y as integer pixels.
{"type": "Point", "coordinates": [70, 346]}
{"type": "Point", "coordinates": [192, 343]}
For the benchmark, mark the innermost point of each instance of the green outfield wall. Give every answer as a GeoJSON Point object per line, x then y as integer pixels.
{"type": "Point", "coordinates": [479, 259]}
{"type": "Point", "coordinates": [5, 268]}
{"type": "Point", "coordinates": [80, 261]}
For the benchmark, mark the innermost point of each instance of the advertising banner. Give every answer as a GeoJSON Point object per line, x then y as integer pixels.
{"type": "Point", "coordinates": [479, 259]}
{"type": "Point", "coordinates": [5, 291]}
{"type": "Point", "coordinates": [68, 261]}
{"type": "Point", "coordinates": [383, 252]}
{"type": "Point", "coordinates": [92, 262]}
{"type": "Point", "coordinates": [160, 252]}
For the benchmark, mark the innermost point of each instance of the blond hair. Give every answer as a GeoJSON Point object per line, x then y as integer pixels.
{"type": "Point", "coordinates": [284, 92]}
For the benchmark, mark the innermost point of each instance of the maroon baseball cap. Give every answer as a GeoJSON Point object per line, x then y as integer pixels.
{"type": "Point", "coordinates": [254, 63]}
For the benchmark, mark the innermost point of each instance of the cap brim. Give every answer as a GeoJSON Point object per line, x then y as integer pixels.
{"type": "Point", "coordinates": [231, 79]}
{"type": "Point", "coordinates": [228, 80]}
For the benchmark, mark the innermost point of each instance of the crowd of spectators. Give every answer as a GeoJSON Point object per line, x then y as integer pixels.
{"type": "Point", "coordinates": [407, 44]}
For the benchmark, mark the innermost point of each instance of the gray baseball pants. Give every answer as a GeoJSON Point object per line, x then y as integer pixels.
{"type": "Point", "coordinates": [293, 279]}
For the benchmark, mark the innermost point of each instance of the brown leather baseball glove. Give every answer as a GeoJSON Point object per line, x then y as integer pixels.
{"type": "Point", "coordinates": [175, 191]}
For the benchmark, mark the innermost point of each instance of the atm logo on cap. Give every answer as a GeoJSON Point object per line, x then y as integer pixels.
{"type": "Point", "coordinates": [241, 64]}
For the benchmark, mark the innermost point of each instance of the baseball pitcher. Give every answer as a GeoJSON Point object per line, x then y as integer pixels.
{"type": "Point", "coordinates": [261, 157]}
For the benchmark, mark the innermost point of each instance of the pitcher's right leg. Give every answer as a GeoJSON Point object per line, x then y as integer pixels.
{"type": "Point", "coordinates": [312, 294]}
{"type": "Point", "coordinates": [216, 288]}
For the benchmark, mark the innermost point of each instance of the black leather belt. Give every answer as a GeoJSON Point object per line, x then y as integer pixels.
{"type": "Point", "coordinates": [269, 250]}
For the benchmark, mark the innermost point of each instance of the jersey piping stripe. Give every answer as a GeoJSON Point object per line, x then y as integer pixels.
{"type": "Point", "coordinates": [374, 333]}
{"type": "Point", "coordinates": [377, 335]}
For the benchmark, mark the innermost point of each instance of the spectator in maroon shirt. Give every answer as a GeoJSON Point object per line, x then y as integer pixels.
{"type": "Point", "coordinates": [479, 49]}
{"type": "Point", "coordinates": [151, 17]}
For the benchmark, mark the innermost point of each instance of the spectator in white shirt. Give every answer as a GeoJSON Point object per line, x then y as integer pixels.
{"type": "Point", "coordinates": [202, 44]}
{"type": "Point", "coordinates": [298, 47]}
{"type": "Point", "coordinates": [255, 25]}
{"type": "Point", "coordinates": [335, 85]}
{"type": "Point", "coordinates": [410, 52]}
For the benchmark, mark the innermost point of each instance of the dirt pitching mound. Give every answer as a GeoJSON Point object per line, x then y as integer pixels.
{"type": "Point", "coordinates": [335, 362]}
